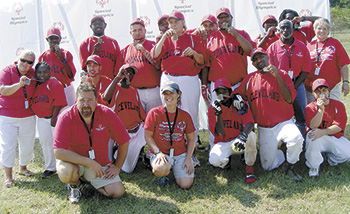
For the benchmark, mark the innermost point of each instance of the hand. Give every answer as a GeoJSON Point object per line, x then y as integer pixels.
{"type": "Point", "coordinates": [53, 121]}
{"type": "Point", "coordinates": [317, 133]}
{"type": "Point", "coordinates": [188, 163]}
{"type": "Point", "coordinates": [23, 80]}
{"type": "Point", "coordinates": [232, 31]}
{"type": "Point", "coordinates": [140, 48]}
{"type": "Point", "coordinates": [345, 88]}
{"type": "Point", "coordinates": [272, 70]}
{"type": "Point", "coordinates": [161, 159]}
{"type": "Point", "coordinates": [111, 171]}
{"type": "Point", "coordinates": [206, 93]}
{"type": "Point", "coordinates": [320, 103]}
{"type": "Point", "coordinates": [239, 143]}
{"type": "Point", "coordinates": [59, 54]}
{"type": "Point", "coordinates": [200, 31]}
{"type": "Point", "coordinates": [270, 31]}
{"type": "Point", "coordinates": [122, 73]}
{"type": "Point", "coordinates": [297, 19]}
{"type": "Point", "coordinates": [188, 52]}
{"type": "Point", "coordinates": [239, 104]}
{"type": "Point", "coordinates": [217, 107]}
{"type": "Point", "coordinates": [96, 168]}
{"type": "Point", "coordinates": [97, 48]}
{"type": "Point", "coordinates": [169, 33]}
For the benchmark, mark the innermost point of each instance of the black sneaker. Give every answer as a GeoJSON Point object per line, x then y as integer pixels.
{"type": "Point", "coordinates": [292, 173]}
{"type": "Point", "coordinates": [74, 194]}
{"type": "Point", "coordinates": [47, 173]}
{"type": "Point", "coordinates": [200, 144]}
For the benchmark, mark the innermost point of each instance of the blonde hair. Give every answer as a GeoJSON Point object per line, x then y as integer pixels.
{"type": "Point", "coordinates": [25, 52]}
{"type": "Point", "coordinates": [322, 21]}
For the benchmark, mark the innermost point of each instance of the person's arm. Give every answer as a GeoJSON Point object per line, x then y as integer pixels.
{"type": "Point", "coordinates": [159, 45]}
{"type": "Point", "coordinates": [191, 141]}
{"type": "Point", "coordinates": [199, 58]}
{"type": "Point", "coordinates": [66, 66]}
{"type": "Point", "coordinates": [317, 119]}
{"type": "Point", "coordinates": [317, 133]}
{"type": "Point", "coordinates": [246, 45]}
{"type": "Point", "coordinates": [300, 79]}
{"type": "Point", "coordinates": [345, 76]}
{"type": "Point", "coordinates": [56, 110]}
{"type": "Point", "coordinates": [285, 91]}
{"type": "Point", "coordinates": [121, 155]}
{"type": "Point", "coordinates": [268, 34]}
{"type": "Point", "coordinates": [248, 128]}
{"type": "Point", "coordinates": [108, 94]}
{"type": "Point", "coordinates": [8, 90]}
{"type": "Point", "coordinates": [160, 157]}
{"type": "Point", "coordinates": [305, 18]}
{"type": "Point", "coordinates": [146, 53]}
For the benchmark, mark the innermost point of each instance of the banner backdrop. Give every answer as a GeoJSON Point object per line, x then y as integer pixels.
{"type": "Point", "coordinates": [27, 21]}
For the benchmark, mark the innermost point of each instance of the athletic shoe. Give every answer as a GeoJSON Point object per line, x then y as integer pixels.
{"type": "Point", "coordinates": [195, 161]}
{"type": "Point", "coordinates": [291, 172]}
{"type": "Point", "coordinates": [226, 167]}
{"type": "Point", "coordinates": [250, 178]}
{"type": "Point", "coordinates": [200, 145]}
{"type": "Point", "coordinates": [74, 194]}
{"type": "Point", "coordinates": [163, 181]}
{"type": "Point", "coordinates": [314, 172]}
{"type": "Point", "coordinates": [47, 173]}
{"type": "Point", "coordinates": [331, 163]}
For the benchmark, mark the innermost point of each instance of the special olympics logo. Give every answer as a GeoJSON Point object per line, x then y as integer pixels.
{"type": "Point", "coordinates": [146, 20]}
{"type": "Point", "coordinates": [19, 50]}
{"type": "Point", "coordinates": [181, 125]}
{"type": "Point", "coordinates": [182, 1]}
{"type": "Point", "coordinates": [58, 25]}
{"type": "Point", "coordinates": [305, 12]}
{"type": "Point", "coordinates": [102, 3]}
{"type": "Point", "coordinates": [17, 8]}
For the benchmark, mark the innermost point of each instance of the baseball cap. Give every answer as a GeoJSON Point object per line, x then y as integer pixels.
{"type": "Point", "coordinates": [53, 32]}
{"type": "Point", "coordinates": [176, 15]}
{"type": "Point", "coordinates": [256, 51]}
{"type": "Point", "coordinates": [163, 16]}
{"type": "Point", "coordinates": [170, 86]}
{"type": "Point", "coordinates": [222, 83]}
{"type": "Point", "coordinates": [209, 18]}
{"type": "Point", "coordinates": [138, 21]}
{"type": "Point", "coordinates": [223, 10]}
{"type": "Point", "coordinates": [318, 83]}
{"type": "Point", "coordinates": [94, 58]}
{"type": "Point", "coordinates": [128, 66]}
{"type": "Point", "coordinates": [268, 17]}
{"type": "Point", "coordinates": [95, 17]}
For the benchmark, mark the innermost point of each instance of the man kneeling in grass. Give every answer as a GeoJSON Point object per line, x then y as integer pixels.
{"type": "Point", "coordinates": [81, 146]}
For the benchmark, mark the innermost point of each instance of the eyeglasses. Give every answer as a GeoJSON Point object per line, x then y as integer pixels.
{"type": "Point", "coordinates": [27, 61]}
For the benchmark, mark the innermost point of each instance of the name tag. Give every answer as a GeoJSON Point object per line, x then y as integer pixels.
{"type": "Point", "coordinates": [317, 71]}
{"type": "Point", "coordinates": [290, 73]}
{"type": "Point", "coordinates": [171, 153]}
{"type": "Point", "coordinates": [92, 154]}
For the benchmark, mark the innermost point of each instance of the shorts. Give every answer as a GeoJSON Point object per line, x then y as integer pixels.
{"type": "Point", "coordinates": [87, 174]}
{"type": "Point", "coordinates": [176, 164]}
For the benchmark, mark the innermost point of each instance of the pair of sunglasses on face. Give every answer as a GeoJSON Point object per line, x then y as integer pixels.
{"type": "Point", "coordinates": [27, 61]}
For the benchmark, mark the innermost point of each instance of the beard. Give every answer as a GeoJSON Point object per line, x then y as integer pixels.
{"type": "Point", "coordinates": [86, 111]}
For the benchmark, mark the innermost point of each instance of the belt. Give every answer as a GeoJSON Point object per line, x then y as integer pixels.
{"type": "Point", "coordinates": [48, 117]}
{"type": "Point", "coordinates": [175, 75]}
{"type": "Point", "coordinates": [134, 130]}
{"type": "Point", "coordinates": [147, 87]}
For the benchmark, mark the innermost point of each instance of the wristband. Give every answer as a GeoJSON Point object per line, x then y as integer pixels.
{"type": "Point", "coordinates": [346, 81]}
{"type": "Point", "coordinates": [304, 18]}
{"type": "Point", "coordinates": [267, 36]}
{"type": "Point", "coordinates": [65, 60]}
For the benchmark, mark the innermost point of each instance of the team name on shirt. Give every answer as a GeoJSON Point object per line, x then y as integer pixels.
{"type": "Point", "coordinates": [137, 59]}
{"type": "Point", "coordinates": [228, 49]}
{"type": "Point", "coordinates": [177, 52]}
{"type": "Point", "coordinates": [233, 125]}
{"type": "Point", "coordinates": [263, 93]}
{"type": "Point", "coordinates": [56, 69]}
{"type": "Point", "coordinates": [106, 54]}
{"type": "Point", "coordinates": [127, 106]}
{"type": "Point", "coordinates": [40, 99]}
{"type": "Point", "coordinates": [324, 124]}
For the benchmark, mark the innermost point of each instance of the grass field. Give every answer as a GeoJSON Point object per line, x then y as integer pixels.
{"type": "Point", "coordinates": [212, 192]}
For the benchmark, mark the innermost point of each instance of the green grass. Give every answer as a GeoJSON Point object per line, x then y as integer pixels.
{"type": "Point", "coordinates": [212, 192]}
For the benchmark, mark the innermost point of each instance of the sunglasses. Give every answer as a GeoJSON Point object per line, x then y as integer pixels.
{"type": "Point", "coordinates": [27, 61]}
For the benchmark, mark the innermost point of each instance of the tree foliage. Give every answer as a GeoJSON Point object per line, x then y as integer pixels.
{"type": "Point", "coordinates": [340, 18]}
{"type": "Point", "coordinates": [340, 3]}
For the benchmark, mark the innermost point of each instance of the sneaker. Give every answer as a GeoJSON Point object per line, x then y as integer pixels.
{"type": "Point", "coordinates": [47, 173]}
{"type": "Point", "coordinates": [314, 172]}
{"type": "Point", "coordinates": [226, 167]}
{"type": "Point", "coordinates": [163, 181]}
{"type": "Point", "coordinates": [200, 145]}
{"type": "Point", "coordinates": [250, 178]}
{"type": "Point", "coordinates": [291, 172]}
{"type": "Point", "coordinates": [195, 161]}
{"type": "Point", "coordinates": [74, 194]}
{"type": "Point", "coordinates": [332, 163]}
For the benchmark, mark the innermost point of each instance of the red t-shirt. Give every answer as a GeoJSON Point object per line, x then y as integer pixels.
{"type": "Point", "coordinates": [46, 96]}
{"type": "Point", "coordinates": [264, 95]}
{"type": "Point", "coordinates": [126, 104]}
{"type": "Point", "coordinates": [332, 57]}
{"type": "Point", "coordinates": [234, 123]}
{"type": "Point", "coordinates": [157, 123]}
{"type": "Point", "coordinates": [334, 114]}
{"type": "Point", "coordinates": [101, 88]}
{"type": "Point", "coordinates": [147, 76]}
{"type": "Point", "coordinates": [71, 134]}
{"type": "Point", "coordinates": [267, 42]}
{"type": "Point", "coordinates": [56, 66]}
{"type": "Point", "coordinates": [172, 60]}
{"type": "Point", "coordinates": [227, 57]}
{"type": "Point", "coordinates": [300, 57]}
{"type": "Point", "coordinates": [109, 53]}
{"type": "Point", "coordinates": [13, 105]}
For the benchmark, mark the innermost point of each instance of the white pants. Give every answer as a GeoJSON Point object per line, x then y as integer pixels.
{"type": "Point", "coordinates": [335, 94]}
{"type": "Point", "coordinates": [136, 143]}
{"type": "Point", "coordinates": [220, 154]}
{"type": "Point", "coordinates": [150, 98]}
{"type": "Point", "coordinates": [203, 114]}
{"type": "Point", "coordinates": [190, 88]}
{"type": "Point", "coordinates": [46, 141]}
{"type": "Point", "coordinates": [269, 139]}
{"type": "Point", "coordinates": [337, 149]}
{"type": "Point", "coordinates": [70, 95]}
{"type": "Point", "coordinates": [13, 130]}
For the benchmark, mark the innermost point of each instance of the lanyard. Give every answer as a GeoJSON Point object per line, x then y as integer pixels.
{"type": "Point", "coordinates": [171, 129]}
{"type": "Point", "coordinates": [86, 127]}
{"type": "Point", "coordinates": [319, 53]}
{"type": "Point", "coordinates": [289, 56]}
{"type": "Point", "coordinates": [24, 88]}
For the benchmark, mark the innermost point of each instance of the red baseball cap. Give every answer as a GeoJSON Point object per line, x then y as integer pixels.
{"type": "Point", "coordinates": [176, 15]}
{"type": "Point", "coordinates": [209, 18]}
{"type": "Point", "coordinates": [268, 17]}
{"type": "Point", "coordinates": [222, 10]}
{"type": "Point", "coordinates": [256, 51]}
{"type": "Point", "coordinates": [138, 21]}
{"type": "Point", "coordinates": [94, 58]}
{"type": "Point", "coordinates": [53, 32]}
{"type": "Point", "coordinates": [318, 83]}
{"type": "Point", "coordinates": [95, 17]}
{"type": "Point", "coordinates": [222, 83]}
{"type": "Point", "coordinates": [163, 16]}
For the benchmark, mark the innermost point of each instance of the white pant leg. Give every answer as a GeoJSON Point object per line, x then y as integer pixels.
{"type": "Point", "coordinates": [46, 141]}
{"type": "Point", "coordinates": [8, 140]}
{"type": "Point", "coordinates": [136, 143]}
{"type": "Point", "coordinates": [220, 154]}
{"type": "Point", "coordinates": [335, 92]}
{"type": "Point", "coordinates": [150, 98]}
{"type": "Point", "coordinates": [70, 95]}
{"type": "Point", "coordinates": [26, 139]}
{"type": "Point", "coordinates": [289, 133]}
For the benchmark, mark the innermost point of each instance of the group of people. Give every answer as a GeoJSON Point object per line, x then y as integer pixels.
{"type": "Point", "coordinates": [148, 94]}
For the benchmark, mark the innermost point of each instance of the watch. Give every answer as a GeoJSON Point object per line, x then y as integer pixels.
{"type": "Point", "coordinates": [157, 152]}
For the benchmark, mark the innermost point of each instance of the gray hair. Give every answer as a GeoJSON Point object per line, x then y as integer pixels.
{"type": "Point", "coordinates": [25, 52]}
{"type": "Point", "coordinates": [322, 21]}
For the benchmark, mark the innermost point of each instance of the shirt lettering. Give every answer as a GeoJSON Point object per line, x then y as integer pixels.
{"type": "Point", "coordinates": [263, 93]}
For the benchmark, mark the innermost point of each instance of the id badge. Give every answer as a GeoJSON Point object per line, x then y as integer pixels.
{"type": "Point", "coordinates": [26, 104]}
{"type": "Point", "coordinates": [171, 152]}
{"type": "Point", "coordinates": [290, 73]}
{"type": "Point", "coordinates": [175, 37]}
{"type": "Point", "coordinates": [92, 154]}
{"type": "Point", "coordinates": [205, 37]}
{"type": "Point", "coordinates": [317, 71]}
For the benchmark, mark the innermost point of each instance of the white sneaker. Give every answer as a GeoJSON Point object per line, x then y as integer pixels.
{"type": "Point", "coordinates": [195, 161]}
{"type": "Point", "coordinates": [74, 194]}
{"type": "Point", "coordinates": [313, 172]}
